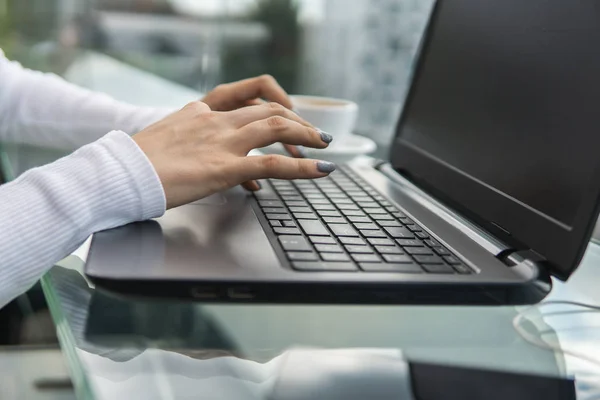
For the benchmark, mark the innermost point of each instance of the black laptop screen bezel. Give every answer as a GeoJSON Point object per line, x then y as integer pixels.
{"type": "Point", "coordinates": [562, 246]}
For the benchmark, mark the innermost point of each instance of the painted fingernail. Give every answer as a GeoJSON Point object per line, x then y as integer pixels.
{"type": "Point", "coordinates": [326, 137]}
{"type": "Point", "coordinates": [326, 166]}
{"type": "Point", "coordinates": [301, 151]}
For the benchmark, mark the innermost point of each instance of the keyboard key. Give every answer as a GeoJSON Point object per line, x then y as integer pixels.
{"type": "Point", "coordinates": [353, 240]}
{"type": "Point", "coordinates": [452, 260]}
{"type": "Point", "coordinates": [318, 201]}
{"type": "Point", "coordinates": [419, 250]}
{"type": "Point", "coordinates": [362, 225]}
{"type": "Point", "coordinates": [410, 243]}
{"type": "Point", "coordinates": [335, 257]}
{"type": "Point", "coordinates": [343, 230]}
{"type": "Point", "coordinates": [275, 223]}
{"type": "Point", "coordinates": [440, 251]}
{"type": "Point", "coordinates": [323, 266]}
{"type": "Point", "coordinates": [370, 258]}
{"type": "Point", "coordinates": [381, 242]}
{"type": "Point", "coordinates": [382, 217]}
{"type": "Point", "coordinates": [392, 209]}
{"type": "Point", "coordinates": [356, 249]}
{"type": "Point", "coordinates": [335, 196]}
{"type": "Point", "coordinates": [279, 216]}
{"type": "Point", "coordinates": [356, 213]}
{"type": "Point", "coordinates": [334, 220]}
{"type": "Point", "coordinates": [373, 234]}
{"type": "Point", "coordinates": [303, 256]}
{"type": "Point", "coordinates": [438, 268]}
{"type": "Point", "coordinates": [347, 206]}
{"type": "Point", "coordinates": [389, 250]}
{"type": "Point", "coordinates": [329, 207]}
{"type": "Point", "coordinates": [272, 210]}
{"type": "Point", "coordinates": [294, 243]}
{"type": "Point", "coordinates": [397, 258]}
{"type": "Point", "coordinates": [289, 224]}
{"type": "Point", "coordinates": [328, 248]}
{"type": "Point", "coordinates": [296, 204]}
{"type": "Point", "coordinates": [322, 240]}
{"type": "Point", "coordinates": [314, 196]}
{"type": "Point", "coordinates": [385, 267]}
{"type": "Point", "coordinates": [301, 209]}
{"type": "Point", "coordinates": [353, 218]}
{"type": "Point", "coordinates": [270, 203]}
{"type": "Point", "coordinates": [305, 216]}
{"type": "Point", "coordinates": [422, 235]}
{"type": "Point", "coordinates": [386, 203]}
{"type": "Point", "coordinates": [368, 204]}
{"type": "Point", "coordinates": [292, 197]}
{"type": "Point", "coordinates": [461, 269]}
{"type": "Point", "coordinates": [399, 233]}
{"type": "Point", "coordinates": [372, 211]}
{"type": "Point", "coordinates": [360, 199]}
{"type": "Point", "coordinates": [325, 213]}
{"type": "Point", "coordinates": [432, 243]}
{"type": "Point", "coordinates": [389, 223]}
{"type": "Point", "coordinates": [428, 259]}
{"type": "Point", "coordinates": [413, 228]}
{"type": "Point", "coordinates": [287, 231]}
{"type": "Point", "coordinates": [313, 227]}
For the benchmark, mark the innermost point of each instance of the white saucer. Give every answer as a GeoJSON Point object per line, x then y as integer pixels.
{"type": "Point", "coordinates": [345, 149]}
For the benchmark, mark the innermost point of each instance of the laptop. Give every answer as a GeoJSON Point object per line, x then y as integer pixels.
{"type": "Point", "coordinates": [491, 186]}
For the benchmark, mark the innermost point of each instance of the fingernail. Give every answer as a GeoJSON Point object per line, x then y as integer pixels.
{"type": "Point", "coordinates": [326, 166]}
{"type": "Point", "coordinates": [326, 137]}
{"type": "Point", "coordinates": [301, 151]}
{"type": "Point", "coordinates": [259, 185]}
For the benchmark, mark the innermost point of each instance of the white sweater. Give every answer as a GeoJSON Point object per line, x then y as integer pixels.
{"type": "Point", "coordinates": [49, 211]}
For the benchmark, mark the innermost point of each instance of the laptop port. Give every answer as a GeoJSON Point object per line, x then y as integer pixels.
{"type": "Point", "coordinates": [204, 292]}
{"type": "Point", "coordinates": [240, 293]}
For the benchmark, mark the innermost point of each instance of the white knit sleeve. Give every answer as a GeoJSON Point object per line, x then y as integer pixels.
{"type": "Point", "coordinates": [49, 211]}
{"type": "Point", "coordinates": [45, 110]}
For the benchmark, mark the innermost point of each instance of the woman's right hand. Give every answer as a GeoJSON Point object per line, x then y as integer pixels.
{"type": "Point", "coordinates": [197, 152]}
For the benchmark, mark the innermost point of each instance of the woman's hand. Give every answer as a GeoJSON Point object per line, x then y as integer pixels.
{"type": "Point", "coordinates": [197, 152]}
{"type": "Point", "coordinates": [250, 92]}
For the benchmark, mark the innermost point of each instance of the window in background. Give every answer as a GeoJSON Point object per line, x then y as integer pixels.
{"type": "Point", "coordinates": [357, 49]}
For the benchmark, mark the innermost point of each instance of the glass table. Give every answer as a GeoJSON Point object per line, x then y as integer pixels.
{"type": "Point", "coordinates": [119, 347]}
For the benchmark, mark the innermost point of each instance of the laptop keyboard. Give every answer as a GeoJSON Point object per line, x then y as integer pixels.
{"type": "Point", "coordinates": [340, 223]}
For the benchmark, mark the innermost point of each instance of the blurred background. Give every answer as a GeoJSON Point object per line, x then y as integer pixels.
{"type": "Point", "coordinates": [357, 49]}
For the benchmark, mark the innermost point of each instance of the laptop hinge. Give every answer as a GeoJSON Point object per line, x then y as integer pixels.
{"type": "Point", "coordinates": [480, 236]}
{"type": "Point", "coordinates": [516, 257]}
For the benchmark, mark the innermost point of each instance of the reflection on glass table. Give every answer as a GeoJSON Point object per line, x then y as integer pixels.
{"type": "Point", "coordinates": [168, 349]}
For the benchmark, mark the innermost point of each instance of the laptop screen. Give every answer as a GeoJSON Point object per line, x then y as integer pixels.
{"type": "Point", "coordinates": [502, 118]}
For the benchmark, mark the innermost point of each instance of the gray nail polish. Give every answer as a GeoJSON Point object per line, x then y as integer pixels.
{"type": "Point", "coordinates": [326, 166]}
{"type": "Point", "coordinates": [302, 151]}
{"type": "Point", "coordinates": [326, 137]}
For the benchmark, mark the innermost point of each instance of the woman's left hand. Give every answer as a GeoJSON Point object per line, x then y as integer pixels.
{"type": "Point", "coordinates": [250, 92]}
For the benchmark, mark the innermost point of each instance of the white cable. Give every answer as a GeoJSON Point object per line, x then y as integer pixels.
{"type": "Point", "coordinates": [532, 339]}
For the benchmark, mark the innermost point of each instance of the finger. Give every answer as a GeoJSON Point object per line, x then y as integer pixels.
{"type": "Point", "coordinates": [278, 129]}
{"type": "Point", "coordinates": [247, 115]}
{"type": "Point", "coordinates": [282, 167]}
{"type": "Point", "coordinates": [254, 102]}
{"type": "Point", "coordinates": [295, 151]}
{"type": "Point", "coordinates": [251, 186]}
{"type": "Point", "coordinates": [265, 87]}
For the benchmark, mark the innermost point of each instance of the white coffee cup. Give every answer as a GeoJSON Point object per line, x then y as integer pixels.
{"type": "Point", "coordinates": [334, 116]}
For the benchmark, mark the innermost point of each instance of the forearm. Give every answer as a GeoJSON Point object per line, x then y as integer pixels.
{"type": "Point", "coordinates": [49, 211]}
{"type": "Point", "coordinates": [44, 110]}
